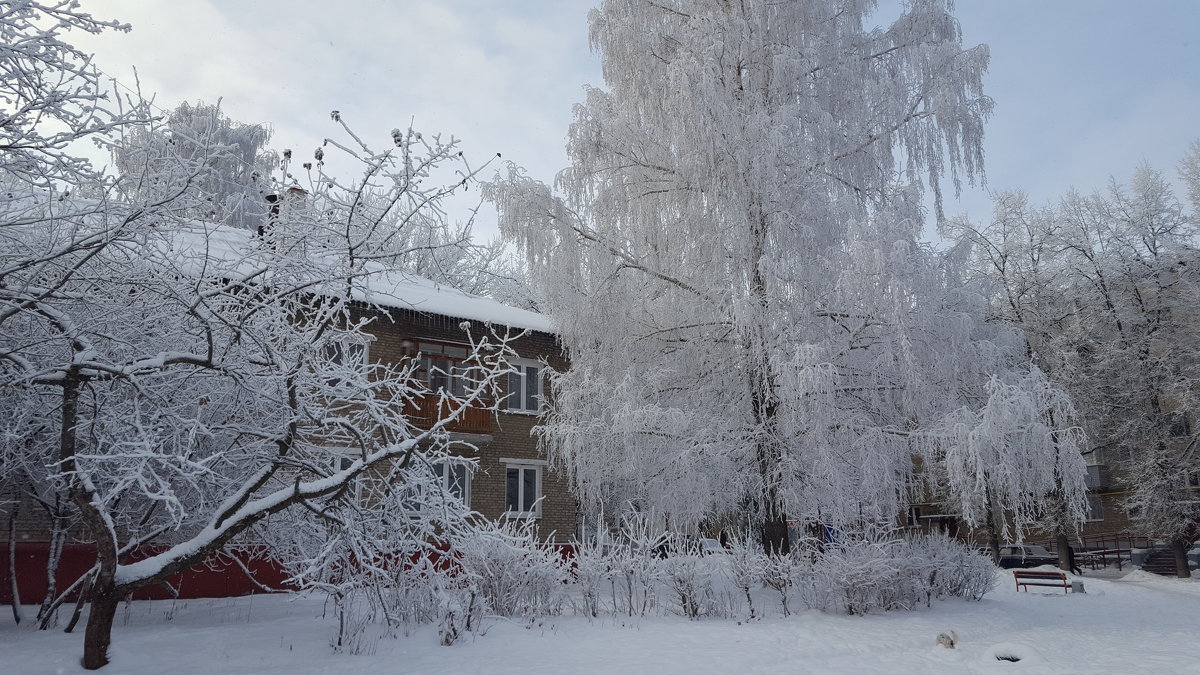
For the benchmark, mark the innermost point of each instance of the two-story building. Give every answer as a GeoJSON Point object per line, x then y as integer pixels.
{"type": "Point", "coordinates": [417, 318]}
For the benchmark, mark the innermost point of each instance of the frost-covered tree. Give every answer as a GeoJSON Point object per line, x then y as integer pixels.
{"type": "Point", "coordinates": [1014, 258]}
{"type": "Point", "coordinates": [1017, 462]}
{"type": "Point", "coordinates": [1105, 289]}
{"type": "Point", "coordinates": [172, 375]}
{"type": "Point", "coordinates": [1130, 343]}
{"type": "Point", "coordinates": [225, 162]}
{"type": "Point", "coordinates": [51, 100]}
{"type": "Point", "coordinates": [186, 370]}
{"type": "Point", "coordinates": [732, 258]}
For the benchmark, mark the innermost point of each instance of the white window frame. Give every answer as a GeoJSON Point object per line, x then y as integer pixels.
{"type": "Point", "coordinates": [335, 350]}
{"type": "Point", "coordinates": [523, 465]}
{"type": "Point", "coordinates": [340, 346]}
{"type": "Point", "coordinates": [452, 363]}
{"type": "Point", "coordinates": [413, 505]}
{"type": "Point", "coordinates": [518, 401]}
{"type": "Point", "coordinates": [341, 462]}
{"type": "Point", "coordinates": [1098, 501]}
{"type": "Point", "coordinates": [468, 469]}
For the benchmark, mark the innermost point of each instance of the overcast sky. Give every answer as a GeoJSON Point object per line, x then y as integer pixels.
{"type": "Point", "coordinates": [1084, 89]}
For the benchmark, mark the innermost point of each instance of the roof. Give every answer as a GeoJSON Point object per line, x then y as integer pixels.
{"type": "Point", "coordinates": [379, 284]}
{"type": "Point", "coordinates": [408, 291]}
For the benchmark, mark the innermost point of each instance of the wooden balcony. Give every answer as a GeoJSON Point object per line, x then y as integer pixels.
{"type": "Point", "coordinates": [425, 411]}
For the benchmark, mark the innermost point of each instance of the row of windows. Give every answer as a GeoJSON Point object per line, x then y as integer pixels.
{"type": "Point", "coordinates": [523, 486]}
{"type": "Point", "coordinates": [444, 368]}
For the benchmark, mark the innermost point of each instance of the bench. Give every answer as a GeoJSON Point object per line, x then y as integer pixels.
{"type": "Point", "coordinates": [1029, 578]}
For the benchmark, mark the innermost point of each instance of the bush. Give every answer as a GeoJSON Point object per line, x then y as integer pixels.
{"type": "Point", "coordinates": [879, 570]}
{"type": "Point", "coordinates": [512, 573]}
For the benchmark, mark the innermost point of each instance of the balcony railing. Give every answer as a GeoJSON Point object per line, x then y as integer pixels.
{"type": "Point", "coordinates": [425, 411]}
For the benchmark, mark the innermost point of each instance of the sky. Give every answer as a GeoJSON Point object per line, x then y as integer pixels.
{"type": "Point", "coordinates": [1085, 90]}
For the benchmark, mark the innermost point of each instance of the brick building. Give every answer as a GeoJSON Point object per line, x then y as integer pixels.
{"type": "Point", "coordinates": [408, 318]}
{"type": "Point", "coordinates": [418, 319]}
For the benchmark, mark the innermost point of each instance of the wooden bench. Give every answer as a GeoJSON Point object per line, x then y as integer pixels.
{"type": "Point", "coordinates": [1029, 578]}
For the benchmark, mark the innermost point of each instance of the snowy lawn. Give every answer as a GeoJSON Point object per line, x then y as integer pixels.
{"type": "Point", "coordinates": [1140, 623]}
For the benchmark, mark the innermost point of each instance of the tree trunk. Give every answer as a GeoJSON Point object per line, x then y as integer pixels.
{"type": "Point", "coordinates": [1182, 569]}
{"type": "Point", "coordinates": [994, 543]}
{"type": "Point", "coordinates": [98, 634]}
{"type": "Point", "coordinates": [1063, 544]}
{"type": "Point", "coordinates": [12, 564]}
{"type": "Point", "coordinates": [774, 533]}
{"type": "Point", "coordinates": [992, 529]}
{"type": "Point", "coordinates": [58, 536]}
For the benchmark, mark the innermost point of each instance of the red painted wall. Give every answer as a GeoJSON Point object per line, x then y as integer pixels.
{"type": "Point", "coordinates": [220, 578]}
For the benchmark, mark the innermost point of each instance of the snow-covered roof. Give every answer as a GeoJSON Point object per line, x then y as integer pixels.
{"type": "Point", "coordinates": [408, 291]}
{"type": "Point", "coordinates": [376, 283]}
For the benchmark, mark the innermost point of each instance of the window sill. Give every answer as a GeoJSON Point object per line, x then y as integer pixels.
{"type": "Point", "coordinates": [522, 515]}
{"type": "Point", "coordinates": [527, 413]}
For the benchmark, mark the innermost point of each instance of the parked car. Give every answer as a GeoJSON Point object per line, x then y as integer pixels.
{"type": "Point", "coordinates": [1026, 556]}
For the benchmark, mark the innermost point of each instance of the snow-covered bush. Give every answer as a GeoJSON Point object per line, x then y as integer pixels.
{"type": "Point", "coordinates": [636, 567]}
{"type": "Point", "coordinates": [878, 570]}
{"type": "Point", "coordinates": [512, 572]}
{"type": "Point", "coordinates": [591, 571]}
{"type": "Point", "coordinates": [779, 574]}
{"type": "Point", "coordinates": [746, 565]}
{"type": "Point", "coordinates": [954, 569]}
{"type": "Point", "coordinates": [690, 579]}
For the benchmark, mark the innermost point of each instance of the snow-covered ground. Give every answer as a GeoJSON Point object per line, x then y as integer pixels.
{"type": "Point", "coordinates": [1138, 623]}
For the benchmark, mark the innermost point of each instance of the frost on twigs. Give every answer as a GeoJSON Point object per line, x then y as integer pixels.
{"type": "Point", "coordinates": [185, 363]}
{"type": "Point", "coordinates": [732, 260]}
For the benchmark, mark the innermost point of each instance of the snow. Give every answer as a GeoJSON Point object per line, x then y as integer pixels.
{"type": "Point", "coordinates": [382, 285]}
{"type": "Point", "coordinates": [408, 291]}
{"type": "Point", "coordinates": [1139, 623]}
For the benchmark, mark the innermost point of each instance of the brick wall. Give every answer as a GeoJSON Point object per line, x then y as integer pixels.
{"type": "Point", "coordinates": [510, 433]}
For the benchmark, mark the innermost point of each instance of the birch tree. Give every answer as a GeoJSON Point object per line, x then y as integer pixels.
{"type": "Point", "coordinates": [732, 256]}
{"type": "Point", "coordinates": [1017, 463]}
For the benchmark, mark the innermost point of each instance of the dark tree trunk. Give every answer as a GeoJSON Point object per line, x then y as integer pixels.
{"type": "Point", "coordinates": [12, 564]}
{"type": "Point", "coordinates": [992, 529]}
{"type": "Point", "coordinates": [98, 633]}
{"type": "Point", "coordinates": [1182, 569]}
{"type": "Point", "coordinates": [775, 532]}
{"type": "Point", "coordinates": [1063, 544]}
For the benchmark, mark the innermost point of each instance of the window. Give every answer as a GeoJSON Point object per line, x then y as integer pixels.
{"type": "Point", "coordinates": [343, 355]}
{"type": "Point", "coordinates": [345, 352]}
{"type": "Point", "coordinates": [1179, 426]}
{"type": "Point", "coordinates": [341, 463]}
{"type": "Point", "coordinates": [1193, 479]}
{"type": "Point", "coordinates": [1097, 477]}
{"type": "Point", "coordinates": [523, 488]}
{"type": "Point", "coordinates": [914, 517]}
{"type": "Point", "coordinates": [443, 368]}
{"type": "Point", "coordinates": [525, 386]}
{"type": "Point", "coordinates": [456, 480]}
{"type": "Point", "coordinates": [1095, 508]}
